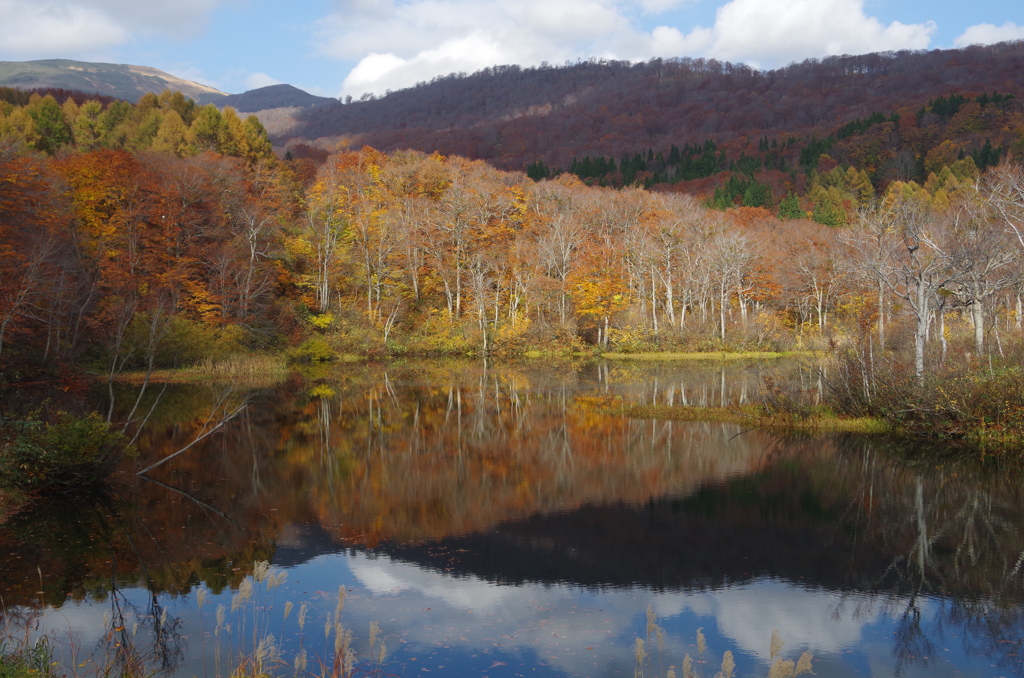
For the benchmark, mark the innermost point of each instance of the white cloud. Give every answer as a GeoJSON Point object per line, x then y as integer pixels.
{"type": "Point", "coordinates": [83, 28]}
{"type": "Point", "coordinates": [805, 618]}
{"type": "Point", "coordinates": [400, 42]}
{"type": "Point", "coordinates": [987, 34]}
{"type": "Point", "coordinates": [33, 29]}
{"type": "Point", "coordinates": [573, 19]}
{"type": "Point", "coordinates": [768, 33]}
{"type": "Point", "coordinates": [379, 72]}
{"type": "Point", "coordinates": [667, 41]}
{"type": "Point", "coordinates": [257, 80]}
{"type": "Point", "coordinates": [659, 6]}
{"type": "Point", "coordinates": [179, 18]}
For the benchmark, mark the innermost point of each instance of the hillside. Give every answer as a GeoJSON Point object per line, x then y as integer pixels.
{"type": "Point", "coordinates": [512, 116]}
{"type": "Point", "coordinates": [121, 81]}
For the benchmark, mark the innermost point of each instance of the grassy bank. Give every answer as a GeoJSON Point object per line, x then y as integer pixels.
{"type": "Point", "coordinates": [760, 417]}
{"type": "Point", "coordinates": [710, 355]}
{"type": "Point", "coordinates": [257, 369]}
{"type": "Point", "coordinates": [966, 405]}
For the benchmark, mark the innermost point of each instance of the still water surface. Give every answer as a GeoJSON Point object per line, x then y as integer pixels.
{"type": "Point", "coordinates": [499, 521]}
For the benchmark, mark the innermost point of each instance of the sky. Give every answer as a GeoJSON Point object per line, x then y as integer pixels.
{"type": "Point", "coordinates": [350, 47]}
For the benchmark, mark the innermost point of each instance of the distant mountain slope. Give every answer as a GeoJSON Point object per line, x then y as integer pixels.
{"type": "Point", "coordinates": [122, 81]}
{"type": "Point", "coordinates": [512, 116]}
{"type": "Point", "coordinates": [274, 96]}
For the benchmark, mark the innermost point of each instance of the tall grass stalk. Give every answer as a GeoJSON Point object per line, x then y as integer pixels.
{"type": "Point", "coordinates": [21, 656]}
{"type": "Point", "coordinates": [200, 602]}
{"type": "Point", "coordinates": [777, 666]}
{"type": "Point", "coordinates": [255, 652]}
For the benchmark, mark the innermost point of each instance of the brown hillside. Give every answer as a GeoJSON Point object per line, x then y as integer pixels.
{"type": "Point", "coordinates": [513, 116]}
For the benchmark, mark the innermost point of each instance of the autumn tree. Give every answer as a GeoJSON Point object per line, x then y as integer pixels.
{"type": "Point", "coordinates": [730, 259]}
{"type": "Point", "coordinates": [327, 229]}
{"type": "Point", "coordinates": [598, 289]}
{"type": "Point", "coordinates": [87, 129]}
{"type": "Point", "coordinates": [128, 233]}
{"type": "Point", "coordinates": [30, 236]}
{"type": "Point", "coordinates": [50, 130]}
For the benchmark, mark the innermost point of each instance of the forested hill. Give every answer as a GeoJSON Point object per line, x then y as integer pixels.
{"type": "Point", "coordinates": [514, 116]}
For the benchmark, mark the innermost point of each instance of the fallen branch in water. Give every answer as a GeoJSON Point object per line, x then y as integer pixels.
{"type": "Point", "coordinates": [201, 503]}
{"type": "Point", "coordinates": [205, 432]}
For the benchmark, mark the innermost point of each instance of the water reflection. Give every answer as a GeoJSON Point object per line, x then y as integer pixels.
{"type": "Point", "coordinates": [498, 521]}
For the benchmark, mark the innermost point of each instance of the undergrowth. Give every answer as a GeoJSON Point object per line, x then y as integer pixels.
{"type": "Point", "coordinates": [21, 656]}
{"type": "Point", "coordinates": [977, 404]}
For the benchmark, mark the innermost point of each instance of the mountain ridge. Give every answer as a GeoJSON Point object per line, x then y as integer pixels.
{"type": "Point", "coordinates": [122, 81]}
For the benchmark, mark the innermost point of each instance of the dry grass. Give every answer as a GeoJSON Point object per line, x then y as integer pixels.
{"type": "Point", "coordinates": [977, 405]}
{"type": "Point", "coordinates": [255, 369]}
{"type": "Point", "coordinates": [557, 354]}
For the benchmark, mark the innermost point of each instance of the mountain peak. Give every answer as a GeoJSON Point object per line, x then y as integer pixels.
{"type": "Point", "coordinates": [273, 96]}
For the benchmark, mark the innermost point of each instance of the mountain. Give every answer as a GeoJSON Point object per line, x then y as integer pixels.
{"type": "Point", "coordinates": [117, 80]}
{"type": "Point", "coordinates": [512, 116]}
{"type": "Point", "coordinates": [273, 97]}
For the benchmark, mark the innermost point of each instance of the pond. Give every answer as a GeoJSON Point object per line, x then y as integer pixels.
{"type": "Point", "coordinates": [505, 521]}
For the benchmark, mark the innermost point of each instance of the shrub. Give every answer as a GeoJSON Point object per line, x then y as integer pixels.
{"type": "Point", "coordinates": [180, 341]}
{"type": "Point", "coordinates": [313, 350]}
{"type": "Point", "coordinates": [69, 451]}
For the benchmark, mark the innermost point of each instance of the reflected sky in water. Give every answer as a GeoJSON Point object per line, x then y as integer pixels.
{"type": "Point", "coordinates": [439, 624]}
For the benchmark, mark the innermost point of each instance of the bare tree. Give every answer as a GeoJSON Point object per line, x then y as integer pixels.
{"type": "Point", "coordinates": [916, 257]}
{"type": "Point", "coordinates": [730, 260]}
{"type": "Point", "coordinates": [986, 257]}
{"type": "Point", "coordinates": [559, 241]}
{"type": "Point", "coordinates": [1003, 189]}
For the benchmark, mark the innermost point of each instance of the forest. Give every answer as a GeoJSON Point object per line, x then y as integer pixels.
{"type": "Point", "coordinates": [161, 234]}
{"type": "Point", "coordinates": [129, 225]}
